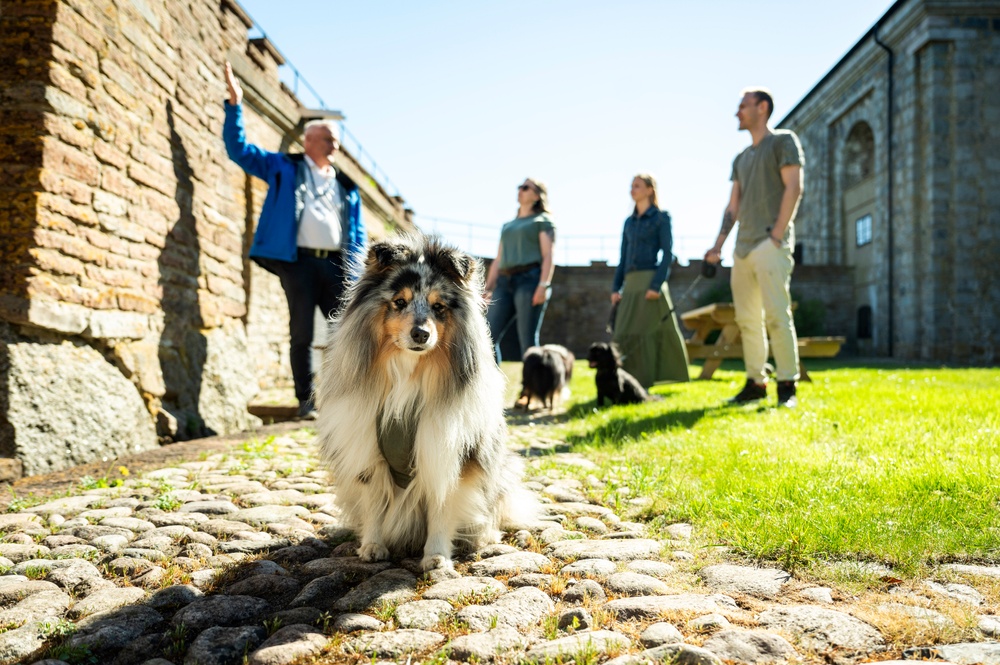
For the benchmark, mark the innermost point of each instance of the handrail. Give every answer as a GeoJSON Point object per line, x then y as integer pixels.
{"type": "Point", "coordinates": [481, 239]}
{"type": "Point", "coordinates": [374, 171]}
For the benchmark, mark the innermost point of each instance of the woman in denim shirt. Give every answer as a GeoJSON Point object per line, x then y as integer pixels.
{"type": "Point", "coordinates": [646, 329]}
{"type": "Point", "coordinates": [519, 281]}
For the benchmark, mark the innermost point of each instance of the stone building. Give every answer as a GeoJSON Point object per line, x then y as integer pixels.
{"type": "Point", "coordinates": [902, 139]}
{"type": "Point", "coordinates": [128, 309]}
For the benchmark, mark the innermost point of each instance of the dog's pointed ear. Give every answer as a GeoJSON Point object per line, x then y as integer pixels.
{"type": "Point", "coordinates": [382, 256]}
{"type": "Point", "coordinates": [458, 266]}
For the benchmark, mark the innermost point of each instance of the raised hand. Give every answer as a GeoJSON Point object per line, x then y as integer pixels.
{"type": "Point", "coordinates": [233, 83]}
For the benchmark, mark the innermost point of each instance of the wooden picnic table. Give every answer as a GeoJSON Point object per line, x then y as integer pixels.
{"type": "Point", "coordinates": [721, 316]}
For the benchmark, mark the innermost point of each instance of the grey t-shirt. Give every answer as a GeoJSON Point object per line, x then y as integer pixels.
{"type": "Point", "coordinates": [758, 170]}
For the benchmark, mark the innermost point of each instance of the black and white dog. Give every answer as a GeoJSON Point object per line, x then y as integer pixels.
{"type": "Point", "coordinates": [545, 374]}
{"type": "Point", "coordinates": [612, 381]}
{"type": "Point", "coordinates": [410, 404]}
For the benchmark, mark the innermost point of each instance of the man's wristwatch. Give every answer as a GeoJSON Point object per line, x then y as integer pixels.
{"type": "Point", "coordinates": [545, 284]}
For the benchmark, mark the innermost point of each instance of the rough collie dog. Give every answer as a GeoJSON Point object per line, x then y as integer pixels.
{"type": "Point", "coordinates": [613, 382]}
{"type": "Point", "coordinates": [410, 404]}
{"type": "Point", "coordinates": [545, 374]}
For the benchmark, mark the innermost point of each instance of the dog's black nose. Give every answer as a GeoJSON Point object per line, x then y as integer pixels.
{"type": "Point", "coordinates": [419, 335]}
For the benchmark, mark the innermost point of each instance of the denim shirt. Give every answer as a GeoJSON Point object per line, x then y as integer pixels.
{"type": "Point", "coordinates": [642, 239]}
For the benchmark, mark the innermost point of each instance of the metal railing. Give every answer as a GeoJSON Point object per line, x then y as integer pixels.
{"type": "Point", "coordinates": [480, 239]}
{"type": "Point", "coordinates": [373, 169]}
{"type": "Point", "coordinates": [357, 151]}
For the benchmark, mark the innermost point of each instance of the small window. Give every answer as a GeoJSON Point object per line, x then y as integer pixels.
{"type": "Point", "coordinates": [864, 322]}
{"type": "Point", "coordinates": [863, 230]}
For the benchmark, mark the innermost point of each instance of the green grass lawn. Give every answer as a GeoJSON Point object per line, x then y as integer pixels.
{"type": "Point", "coordinates": [880, 463]}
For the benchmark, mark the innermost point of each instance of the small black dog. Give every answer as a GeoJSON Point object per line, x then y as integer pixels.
{"type": "Point", "coordinates": [612, 381]}
{"type": "Point", "coordinates": [546, 373]}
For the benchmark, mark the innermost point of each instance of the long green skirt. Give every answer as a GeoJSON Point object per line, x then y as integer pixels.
{"type": "Point", "coordinates": [647, 333]}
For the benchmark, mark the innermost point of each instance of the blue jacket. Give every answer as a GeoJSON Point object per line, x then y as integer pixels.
{"type": "Point", "coordinates": [642, 239]}
{"type": "Point", "coordinates": [278, 226]}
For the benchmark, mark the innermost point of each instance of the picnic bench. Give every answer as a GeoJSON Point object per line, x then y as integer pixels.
{"type": "Point", "coordinates": [722, 317]}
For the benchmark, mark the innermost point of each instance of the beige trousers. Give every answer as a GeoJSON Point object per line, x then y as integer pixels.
{"type": "Point", "coordinates": [764, 309]}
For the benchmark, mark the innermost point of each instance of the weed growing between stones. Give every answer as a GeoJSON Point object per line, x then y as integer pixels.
{"type": "Point", "coordinates": [36, 572]}
{"type": "Point", "coordinates": [105, 481]}
{"type": "Point", "coordinates": [438, 658]}
{"type": "Point", "coordinates": [166, 503]}
{"type": "Point", "coordinates": [19, 503]}
{"type": "Point", "coordinates": [451, 627]}
{"type": "Point", "coordinates": [174, 574]}
{"type": "Point", "coordinates": [77, 655]}
{"type": "Point", "coordinates": [176, 640]}
{"type": "Point", "coordinates": [56, 633]}
{"type": "Point", "coordinates": [550, 627]}
{"type": "Point", "coordinates": [385, 611]}
{"type": "Point", "coordinates": [272, 625]}
{"type": "Point", "coordinates": [479, 597]}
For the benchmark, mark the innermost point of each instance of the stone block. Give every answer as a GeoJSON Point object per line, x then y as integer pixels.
{"type": "Point", "coordinates": [63, 404]}
{"type": "Point", "coordinates": [10, 469]}
{"type": "Point", "coordinates": [113, 324]}
{"type": "Point", "coordinates": [70, 161]}
{"type": "Point", "coordinates": [109, 203]}
{"type": "Point", "coordinates": [57, 316]}
{"type": "Point", "coordinates": [109, 154]}
{"type": "Point", "coordinates": [227, 380]}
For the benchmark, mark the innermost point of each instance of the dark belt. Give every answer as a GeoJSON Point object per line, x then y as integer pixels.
{"type": "Point", "coordinates": [319, 253]}
{"type": "Point", "coordinates": [516, 270]}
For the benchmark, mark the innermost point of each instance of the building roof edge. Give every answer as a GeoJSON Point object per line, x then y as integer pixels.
{"type": "Point", "coordinates": [854, 49]}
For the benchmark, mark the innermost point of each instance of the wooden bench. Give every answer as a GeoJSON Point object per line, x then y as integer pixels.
{"type": "Point", "coordinates": [722, 317]}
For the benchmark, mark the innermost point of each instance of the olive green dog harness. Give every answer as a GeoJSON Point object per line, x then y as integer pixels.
{"type": "Point", "coordinates": [396, 439]}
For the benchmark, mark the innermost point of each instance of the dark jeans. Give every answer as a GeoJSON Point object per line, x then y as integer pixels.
{"type": "Point", "coordinates": [308, 283]}
{"type": "Point", "coordinates": [511, 305]}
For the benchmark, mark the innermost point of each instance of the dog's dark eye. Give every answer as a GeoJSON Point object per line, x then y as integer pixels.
{"type": "Point", "coordinates": [399, 303]}
{"type": "Point", "coordinates": [438, 307]}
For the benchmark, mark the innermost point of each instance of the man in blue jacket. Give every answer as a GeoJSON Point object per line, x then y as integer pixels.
{"type": "Point", "coordinates": [310, 232]}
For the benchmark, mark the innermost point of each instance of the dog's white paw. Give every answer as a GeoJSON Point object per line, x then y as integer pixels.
{"type": "Point", "coordinates": [373, 552]}
{"type": "Point", "coordinates": [436, 562]}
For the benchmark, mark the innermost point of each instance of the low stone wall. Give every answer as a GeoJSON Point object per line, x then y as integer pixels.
{"type": "Point", "coordinates": [578, 314]}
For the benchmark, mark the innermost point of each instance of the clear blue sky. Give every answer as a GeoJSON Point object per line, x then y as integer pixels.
{"type": "Point", "coordinates": [458, 102]}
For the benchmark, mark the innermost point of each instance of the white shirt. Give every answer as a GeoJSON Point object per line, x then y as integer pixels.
{"type": "Point", "coordinates": [319, 226]}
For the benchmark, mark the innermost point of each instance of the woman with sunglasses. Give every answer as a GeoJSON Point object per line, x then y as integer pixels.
{"type": "Point", "coordinates": [519, 281]}
{"type": "Point", "coordinates": [646, 329]}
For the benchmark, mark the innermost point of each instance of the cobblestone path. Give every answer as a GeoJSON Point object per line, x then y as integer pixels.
{"type": "Point", "coordinates": [237, 556]}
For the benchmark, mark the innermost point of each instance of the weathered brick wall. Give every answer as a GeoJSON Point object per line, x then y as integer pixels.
{"type": "Point", "coordinates": [125, 224]}
{"type": "Point", "coordinates": [945, 205]}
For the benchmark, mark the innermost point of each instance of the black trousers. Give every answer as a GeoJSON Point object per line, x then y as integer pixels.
{"type": "Point", "coordinates": [308, 283]}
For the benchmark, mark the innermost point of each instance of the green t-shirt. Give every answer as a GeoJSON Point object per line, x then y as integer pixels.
{"type": "Point", "coordinates": [758, 170]}
{"type": "Point", "coordinates": [519, 240]}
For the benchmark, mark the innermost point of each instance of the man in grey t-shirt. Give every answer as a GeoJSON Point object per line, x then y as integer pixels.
{"type": "Point", "coordinates": [767, 187]}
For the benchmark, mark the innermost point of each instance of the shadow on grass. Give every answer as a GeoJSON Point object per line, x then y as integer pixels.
{"type": "Point", "coordinates": [625, 425]}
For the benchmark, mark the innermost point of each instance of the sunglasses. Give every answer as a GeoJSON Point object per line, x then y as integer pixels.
{"type": "Point", "coordinates": [526, 188]}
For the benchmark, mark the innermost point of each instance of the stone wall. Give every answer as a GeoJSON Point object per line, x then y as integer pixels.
{"type": "Point", "coordinates": [577, 315]}
{"type": "Point", "coordinates": [945, 205]}
{"type": "Point", "coordinates": [126, 226]}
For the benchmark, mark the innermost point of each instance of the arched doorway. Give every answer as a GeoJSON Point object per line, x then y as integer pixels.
{"type": "Point", "coordinates": [860, 232]}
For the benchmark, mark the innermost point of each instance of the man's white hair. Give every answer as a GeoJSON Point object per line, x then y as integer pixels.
{"type": "Point", "coordinates": [332, 125]}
